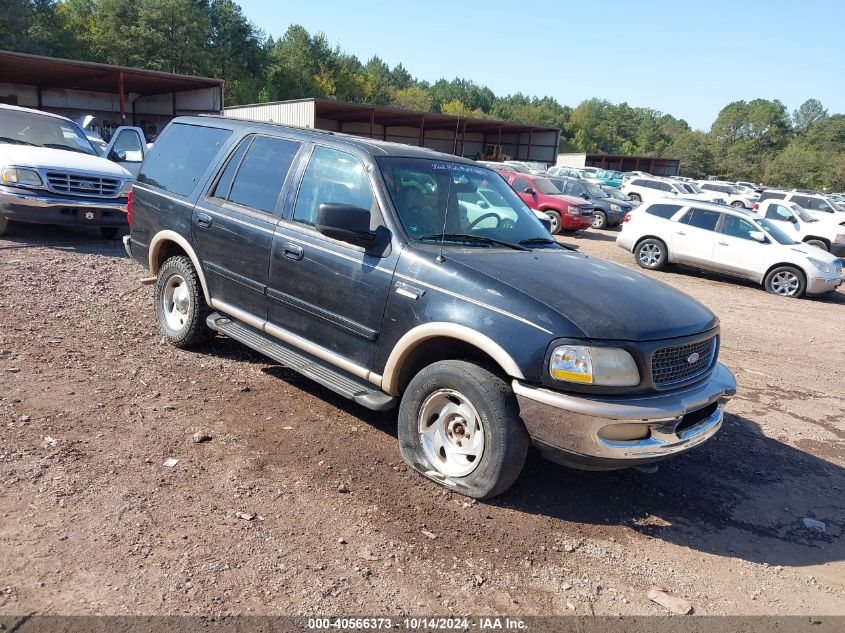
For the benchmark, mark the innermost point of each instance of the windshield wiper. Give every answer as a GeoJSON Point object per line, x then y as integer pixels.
{"type": "Point", "coordinates": [472, 238]}
{"type": "Point", "coordinates": [537, 240]}
{"type": "Point", "coordinates": [65, 147]}
{"type": "Point", "coordinates": [17, 141]}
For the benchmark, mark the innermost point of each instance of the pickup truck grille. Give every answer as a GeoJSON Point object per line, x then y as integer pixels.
{"type": "Point", "coordinates": [670, 365]}
{"type": "Point", "coordinates": [83, 185]}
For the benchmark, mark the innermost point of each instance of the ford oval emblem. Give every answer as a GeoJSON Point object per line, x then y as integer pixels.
{"type": "Point", "coordinates": [693, 358]}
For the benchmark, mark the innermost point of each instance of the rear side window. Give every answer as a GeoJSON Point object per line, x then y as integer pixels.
{"type": "Point", "coordinates": [663, 210]}
{"type": "Point", "coordinates": [702, 219]}
{"type": "Point", "coordinates": [638, 183]}
{"type": "Point", "coordinates": [332, 177]}
{"type": "Point", "coordinates": [768, 195]}
{"type": "Point", "coordinates": [521, 184]}
{"type": "Point", "coordinates": [262, 173]}
{"type": "Point", "coordinates": [802, 201]}
{"type": "Point", "coordinates": [180, 157]}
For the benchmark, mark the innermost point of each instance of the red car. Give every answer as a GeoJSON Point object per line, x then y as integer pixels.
{"type": "Point", "coordinates": [567, 213]}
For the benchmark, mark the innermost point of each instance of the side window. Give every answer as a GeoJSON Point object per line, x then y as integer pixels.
{"type": "Point", "coordinates": [706, 186]}
{"type": "Point", "coordinates": [663, 210]}
{"type": "Point", "coordinates": [737, 227]}
{"type": "Point", "coordinates": [702, 219]}
{"type": "Point", "coordinates": [221, 189]}
{"type": "Point", "coordinates": [637, 183]}
{"type": "Point", "coordinates": [521, 184]}
{"type": "Point", "coordinates": [802, 201]}
{"type": "Point", "coordinates": [332, 176]}
{"type": "Point", "coordinates": [571, 189]}
{"type": "Point", "coordinates": [262, 173]}
{"type": "Point", "coordinates": [817, 204]}
{"type": "Point", "coordinates": [770, 195]}
{"type": "Point", "coordinates": [181, 155]}
{"type": "Point", "coordinates": [777, 212]}
{"type": "Point", "coordinates": [664, 186]}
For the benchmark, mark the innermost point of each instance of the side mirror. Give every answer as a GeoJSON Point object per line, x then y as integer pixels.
{"type": "Point", "coordinates": [118, 156]}
{"type": "Point", "coordinates": [758, 235]}
{"type": "Point", "coordinates": [529, 191]}
{"type": "Point", "coordinates": [586, 196]}
{"type": "Point", "coordinates": [793, 219]}
{"type": "Point", "coordinates": [345, 222]}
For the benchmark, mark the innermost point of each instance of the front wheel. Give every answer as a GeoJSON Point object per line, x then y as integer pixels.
{"type": "Point", "coordinates": [554, 216]}
{"type": "Point", "coordinates": [180, 305]}
{"type": "Point", "coordinates": [459, 425]}
{"type": "Point", "coordinates": [786, 281]}
{"type": "Point", "coordinates": [599, 220]}
{"type": "Point", "coordinates": [651, 254]}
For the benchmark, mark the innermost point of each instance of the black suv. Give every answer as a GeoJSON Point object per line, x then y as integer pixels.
{"type": "Point", "coordinates": [374, 269]}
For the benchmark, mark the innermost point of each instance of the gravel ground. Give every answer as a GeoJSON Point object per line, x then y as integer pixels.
{"type": "Point", "coordinates": [300, 503]}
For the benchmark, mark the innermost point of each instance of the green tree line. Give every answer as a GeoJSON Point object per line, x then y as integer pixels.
{"type": "Point", "coordinates": [755, 140]}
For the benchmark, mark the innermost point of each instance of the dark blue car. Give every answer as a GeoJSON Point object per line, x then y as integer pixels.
{"type": "Point", "coordinates": [609, 211]}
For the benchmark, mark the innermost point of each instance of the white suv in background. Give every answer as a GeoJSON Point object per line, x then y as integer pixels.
{"type": "Point", "coordinates": [727, 240]}
{"type": "Point", "coordinates": [729, 193]}
{"type": "Point", "coordinates": [815, 203]}
{"type": "Point", "coordinates": [645, 189]}
{"type": "Point", "coordinates": [802, 226]}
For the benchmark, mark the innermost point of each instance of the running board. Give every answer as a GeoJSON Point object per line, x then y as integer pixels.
{"type": "Point", "coordinates": [318, 370]}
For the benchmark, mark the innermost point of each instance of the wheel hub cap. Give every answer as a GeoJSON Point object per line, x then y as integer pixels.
{"type": "Point", "coordinates": [451, 433]}
{"type": "Point", "coordinates": [176, 303]}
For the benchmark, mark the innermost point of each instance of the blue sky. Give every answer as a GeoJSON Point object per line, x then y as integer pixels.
{"type": "Point", "coordinates": [687, 59]}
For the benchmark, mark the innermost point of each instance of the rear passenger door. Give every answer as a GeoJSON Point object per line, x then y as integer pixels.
{"type": "Point", "coordinates": [233, 225]}
{"type": "Point", "coordinates": [694, 237]}
{"type": "Point", "coordinates": [330, 293]}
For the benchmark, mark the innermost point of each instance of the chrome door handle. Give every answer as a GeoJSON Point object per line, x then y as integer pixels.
{"type": "Point", "coordinates": [679, 233]}
{"type": "Point", "coordinates": [292, 251]}
{"type": "Point", "coordinates": [203, 220]}
{"type": "Point", "coordinates": [723, 244]}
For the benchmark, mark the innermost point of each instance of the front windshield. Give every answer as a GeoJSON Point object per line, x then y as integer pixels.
{"type": "Point", "coordinates": [776, 233]}
{"type": "Point", "coordinates": [614, 193]}
{"type": "Point", "coordinates": [29, 128]}
{"type": "Point", "coordinates": [802, 213]}
{"type": "Point", "coordinates": [594, 190]}
{"type": "Point", "coordinates": [472, 205]}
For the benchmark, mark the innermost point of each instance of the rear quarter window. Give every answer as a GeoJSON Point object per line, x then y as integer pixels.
{"type": "Point", "coordinates": [665, 211]}
{"type": "Point", "coordinates": [180, 156]}
{"type": "Point", "coordinates": [769, 195]}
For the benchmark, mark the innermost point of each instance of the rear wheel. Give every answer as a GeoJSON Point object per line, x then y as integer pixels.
{"type": "Point", "coordinates": [737, 205]}
{"type": "Point", "coordinates": [599, 220]}
{"type": "Point", "coordinates": [651, 254]}
{"type": "Point", "coordinates": [459, 425]}
{"type": "Point", "coordinates": [786, 281]}
{"type": "Point", "coordinates": [180, 304]}
{"type": "Point", "coordinates": [554, 216]}
{"type": "Point", "coordinates": [819, 244]}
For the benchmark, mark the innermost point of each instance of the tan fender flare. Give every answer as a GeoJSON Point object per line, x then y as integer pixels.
{"type": "Point", "coordinates": [163, 237]}
{"type": "Point", "coordinates": [422, 333]}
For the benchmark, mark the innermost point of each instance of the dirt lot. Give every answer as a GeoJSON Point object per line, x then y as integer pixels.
{"type": "Point", "coordinates": [91, 521]}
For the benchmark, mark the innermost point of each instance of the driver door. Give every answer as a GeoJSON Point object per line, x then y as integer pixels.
{"type": "Point", "coordinates": [736, 251]}
{"type": "Point", "coordinates": [128, 148]}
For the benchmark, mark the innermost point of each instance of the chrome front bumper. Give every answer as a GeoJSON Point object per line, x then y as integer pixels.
{"type": "Point", "coordinates": [27, 206]}
{"type": "Point", "coordinates": [820, 285]}
{"type": "Point", "coordinates": [589, 433]}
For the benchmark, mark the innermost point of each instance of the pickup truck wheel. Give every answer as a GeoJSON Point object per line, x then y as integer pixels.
{"type": "Point", "coordinates": [179, 303]}
{"type": "Point", "coordinates": [651, 254]}
{"type": "Point", "coordinates": [599, 220]}
{"type": "Point", "coordinates": [554, 216]}
{"type": "Point", "coordinates": [4, 225]}
{"type": "Point", "coordinates": [786, 281]}
{"type": "Point", "coordinates": [108, 232]}
{"type": "Point", "coordinates": [459, 425]}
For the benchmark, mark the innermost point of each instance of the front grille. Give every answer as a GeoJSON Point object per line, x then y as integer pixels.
{"type": "Point", "coordinates": [671, 365]}
{"type": "Point", "coordinates": [83, 185]}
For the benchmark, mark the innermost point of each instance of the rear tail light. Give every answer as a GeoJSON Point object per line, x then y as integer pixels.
{"type": "Point", "coordinates": [129, 207]}
{"type": "Point", "coordinates": [756, 206]}
{"type": "Point", "coordinates": [627, 217]}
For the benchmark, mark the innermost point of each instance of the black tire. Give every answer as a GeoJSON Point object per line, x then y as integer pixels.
{"type": "Point", "coordinates": [108, 232]}
{"type": "Point", "coordinates": [554, 216]}
{"type": "Point", "coordinates": [4, 225]}
{"type": "Point", "coordinates": [193, 330]}
{"type": "Point", "coordinates": [819, 244]}
{"type": "Point", "coordinates": [786, 281]}
{"type": "Point", "coordinates": [505, 444]}
{"type": "Point", "coordinates": [599, 220]}
{"type": "Point", "coordinates": [737, 205]}
{"type": "Point", "coordinates": [635, 197]}
{"type": "Point", "coordinates": [651, 254]}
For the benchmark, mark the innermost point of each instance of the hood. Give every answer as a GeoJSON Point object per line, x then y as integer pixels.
{"type": "Point", "coordinates": [59, 159]}
{"type": "Point", "coordinates": [814, 251]}
{"type": "Point", "coordinates": [571, 200]}
{"type": "Point", "coordinates": [602, 299]}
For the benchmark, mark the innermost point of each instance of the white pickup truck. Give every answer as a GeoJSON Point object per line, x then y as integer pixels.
{"type": "Point", "coordinates": [802, 226]}
{"type": "Point", "coordinates": [50, 173]}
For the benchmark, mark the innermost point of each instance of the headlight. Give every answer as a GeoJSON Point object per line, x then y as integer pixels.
{"type": "Point", "coordinates": [822, 266]}
{"type": "Point", "coordinates": [19, 176]}
{"type": "Point", "coordinates": [124, 190]}
{"type": "Point", "coordinates": [614, 207]}
{"type": "Point", "coordinates": [607, 366]}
